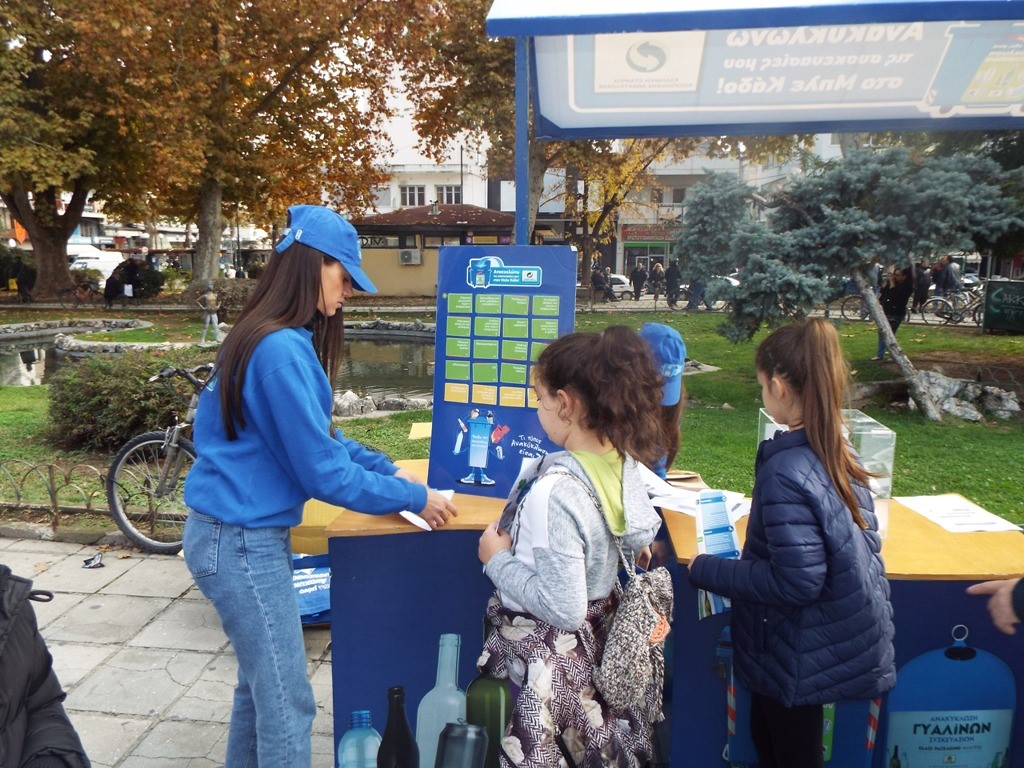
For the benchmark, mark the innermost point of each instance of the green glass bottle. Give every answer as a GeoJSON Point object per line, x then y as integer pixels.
{"type": "Point", "coordinates": [489, 705]}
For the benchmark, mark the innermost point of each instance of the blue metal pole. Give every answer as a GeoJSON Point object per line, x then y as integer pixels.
{"type": "Point", "coordinates": [522, 234]}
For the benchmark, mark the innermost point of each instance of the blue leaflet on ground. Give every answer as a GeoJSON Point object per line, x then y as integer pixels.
{"type": "Point", "coordinates": [716, 535]}
{"type": "Point", "coordinates": [311, 579]}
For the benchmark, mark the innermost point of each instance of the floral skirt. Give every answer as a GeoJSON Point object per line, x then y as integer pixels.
{"type": "Point", "coordinates": [559, 719]}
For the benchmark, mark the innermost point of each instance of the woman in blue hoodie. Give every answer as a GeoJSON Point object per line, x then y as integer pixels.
{"type": "Point", "coordinates": [812, 621]}
{"type": "Point", "coordinates": [266, 446]}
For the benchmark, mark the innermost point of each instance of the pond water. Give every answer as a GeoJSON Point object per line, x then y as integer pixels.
{"type": "Point", "coordinates": [370, 367]}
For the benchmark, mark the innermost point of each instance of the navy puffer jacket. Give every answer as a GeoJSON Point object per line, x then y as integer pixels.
{"type": "Point", "coordinates": [812, 621]}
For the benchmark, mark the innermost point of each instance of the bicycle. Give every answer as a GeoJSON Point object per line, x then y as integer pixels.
{"type": "Point", "coordinates": [853, 307]}
{"type": "Point", "coordinates": [937, 311]}
{"type": "Point", "coordinates": [147, 477]}
{"type": "Point", "coordinates": [75, 296]}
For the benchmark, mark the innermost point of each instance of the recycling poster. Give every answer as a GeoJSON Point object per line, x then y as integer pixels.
{"type": "Point", "coordinates": [498, 307]}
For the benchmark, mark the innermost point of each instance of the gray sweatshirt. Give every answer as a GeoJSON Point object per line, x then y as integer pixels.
{"type": "Point", "coordinates": [563, 555]}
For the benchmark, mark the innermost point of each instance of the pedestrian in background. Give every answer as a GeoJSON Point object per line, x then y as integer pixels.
{"type": "Point", "coordinates": [894, 297]}
{"type": "Point", "coordinates": [265, 447]}
{"type": "Point", "coordinates": [638, 277]}
{"type": "Point", "coordinates": [922, 285]}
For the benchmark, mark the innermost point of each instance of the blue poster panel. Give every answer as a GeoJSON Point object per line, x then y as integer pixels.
{"type": "Point", "coordinates": [498, 307]}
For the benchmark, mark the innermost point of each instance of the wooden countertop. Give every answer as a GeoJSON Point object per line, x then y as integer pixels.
{"type": "Point", "coordinates": [475, 514]}
{"type": "Point", "coordinates": [915, 548]}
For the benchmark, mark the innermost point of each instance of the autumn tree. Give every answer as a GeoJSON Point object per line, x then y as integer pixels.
{"type": "Point", "coordinates": [870, 207]}
{"type": "Point", "coordinates": [181, 108]}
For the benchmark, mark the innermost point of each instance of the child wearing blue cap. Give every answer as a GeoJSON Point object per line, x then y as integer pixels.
{"type": "Point", "coordinates": [669, 352]}
{"type": "Point", "coordinates": [265, 443]}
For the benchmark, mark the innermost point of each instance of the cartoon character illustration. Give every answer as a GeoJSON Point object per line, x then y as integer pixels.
{"type": "Point", "coordinates": [485, 438]}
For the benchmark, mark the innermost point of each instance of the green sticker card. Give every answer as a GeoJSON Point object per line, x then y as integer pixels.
{"type": "Point", "coordinates": [457, 370]}
{"type": "Point", "coordinates": [512, 373]}
{"type": "Point", "coordinates": [460, 303]}
{"type": "Point", "coordinates": [517, 305]}
{"type": "Point", "coordinates": [459, 326]}
{"type": "Point", "coordinates": [515, 350]}
{"type": "Point", "coordinates": [488, 305]}
{"type": "Point", "coordinates": [487, 326]}
{"type": "Point", "coordinates": [516, 328]}
{"type": "Point", "coordinates": [535, 349]}
{"type": "Point", "coordinates": [485, 373]}
{"type": "Point", "coordinates": [545, 305]}
{"type": "Point", "coordinates": [545, 329]}
{"type": "Point", "coordinates": [485, 349]}
{"type": "Point", "coordinates": [456, 348]}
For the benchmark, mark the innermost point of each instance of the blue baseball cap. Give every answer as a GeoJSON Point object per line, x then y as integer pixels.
{"type": "Point", "coordinates": [328, 232]}
{"type": "Point", "coordinates": [669, 356]}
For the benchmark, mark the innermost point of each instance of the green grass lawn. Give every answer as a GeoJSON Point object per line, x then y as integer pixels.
{"type": "Point", "coordinates": [980, 461]}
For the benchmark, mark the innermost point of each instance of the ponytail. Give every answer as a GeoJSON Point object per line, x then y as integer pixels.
{"type": "Point", "coordinates": [808, 356]}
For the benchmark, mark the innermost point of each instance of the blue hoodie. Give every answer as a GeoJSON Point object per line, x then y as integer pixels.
{"type": "Point", "coordinates": [287, 453]}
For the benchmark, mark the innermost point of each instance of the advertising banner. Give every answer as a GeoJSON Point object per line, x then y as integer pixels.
{"type": "Point", "coordinates": [498, 307]}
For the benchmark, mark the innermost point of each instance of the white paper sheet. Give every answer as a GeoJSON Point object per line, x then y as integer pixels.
{"type": "Point", "coordinates": [418, 521]}
{"type": "Point", "coordinates": [955, 513]}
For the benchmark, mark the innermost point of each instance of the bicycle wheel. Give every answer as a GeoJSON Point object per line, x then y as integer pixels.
{"type": "Point", "coordinates": [853, 308]}
{"type": "Point", "coordinates": [978, 314]}
{"type": "Point", "coordinates": [145, 488]}
{"type": "Point", "coordinates": [937, 311]}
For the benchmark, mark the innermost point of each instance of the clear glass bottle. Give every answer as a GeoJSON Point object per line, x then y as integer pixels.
{"type": "Point", "coordinates": [397, 747]}
{"type": "Point", "coordinates": [359, 746]}
{"type": "Point", "coordinates": [443, 704]}
{"type": "Point", "coordinates": [489, 705]}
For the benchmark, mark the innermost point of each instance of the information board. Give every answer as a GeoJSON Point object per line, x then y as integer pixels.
{"type": "Point", "coordinates": [498, 307]}
{"type": "Point", "coordinates": [1004, 306]}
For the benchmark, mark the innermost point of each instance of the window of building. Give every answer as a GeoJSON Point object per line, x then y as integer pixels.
{"type": "Point", "coordinates": [679, 195]}
{"type": "Point", "coordinates": [449, 194]}
{"type": "Point", "coordinates": [413, 195]}
{"type": "Point", "coordinates": [382, 197]}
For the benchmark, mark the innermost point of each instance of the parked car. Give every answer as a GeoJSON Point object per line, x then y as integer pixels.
{"type": "Point", "coordinates": [622, 288]}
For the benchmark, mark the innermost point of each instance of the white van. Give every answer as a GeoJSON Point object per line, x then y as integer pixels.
{"type": "Point", "coordinates": [89, 257]}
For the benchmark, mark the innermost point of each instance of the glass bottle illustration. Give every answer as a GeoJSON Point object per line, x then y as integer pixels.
{"type": "Point", "coordinates": [489, 705]}
{"type": "Point", "coordinates": [444, 703]}
{"type": "Point", "coordinates": [359, 746]}
{"type": "Point", "coordinates": [397, 747]}
{"type": "Point", "coordinates": [894, 761]}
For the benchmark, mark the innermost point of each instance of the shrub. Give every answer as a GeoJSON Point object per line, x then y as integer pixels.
{"type": "Point", "coordinates": [152, 282]}
{"type": "Point", "coordinates": [98, 403]}
{"type": "Point", "coordinates": [91, 277]}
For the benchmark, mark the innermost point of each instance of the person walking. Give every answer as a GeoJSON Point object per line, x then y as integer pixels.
{"type": "Point", "coordinates": [952, 281]}
{"type": "Point", "coordinates": [265, 447]}
{"type": "Point", "coordinates": [657, 280]}
{"type": "Point", "coordinates": [811, 615]}
{"type": "Point", "coordinates": [893, 296]}
{"type": "Point", "coordinates": [638, 277]}
{"type": "Point", "coordinates": [553, 558]}
{"type": "Point", "coordinates": [922, 285]}
{"type": "Point", "coordinates": [673, 282]}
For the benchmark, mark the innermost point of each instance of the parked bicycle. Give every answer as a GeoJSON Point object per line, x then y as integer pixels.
{"type": "Point", "coordinates": [74, 296]}
{"type": "Point", "coordinates": [146, 480]}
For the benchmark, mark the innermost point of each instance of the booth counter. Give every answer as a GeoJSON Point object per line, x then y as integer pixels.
{"type": "Point", "coordinates": [395, 589]}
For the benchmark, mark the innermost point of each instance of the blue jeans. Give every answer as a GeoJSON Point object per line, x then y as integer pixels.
{"type": "Point", "coordinates": [247, 575]}
{"type": "Point", "coordinates": [894, 323]}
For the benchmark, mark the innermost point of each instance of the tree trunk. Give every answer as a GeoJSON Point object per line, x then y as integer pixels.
{"type": "Point", "coordinates": [211, 230]}
{"type": "Point", "coordinates": [49, 232]}
{"type": "Point", "coordinates": [917, 392]}
{"type": "Point", "coordinates": [538, 163]}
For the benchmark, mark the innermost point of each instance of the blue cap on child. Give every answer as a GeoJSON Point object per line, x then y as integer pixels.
{"type": "Point", "coordinates": [328, 232]}
{"type": "Point", "coordinates": [669, 356]}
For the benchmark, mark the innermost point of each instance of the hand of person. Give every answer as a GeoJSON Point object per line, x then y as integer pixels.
{"type": "Point", "coordinates": [438, 509]}
{"type": "Point", "coordinates": [492, 541]}
{"type": "Point", "coordinates": [643, 558]}
{"type": "Point", "coordinates": [1000, 605]}
{"type": "Point", "coordinates": [412, 477]}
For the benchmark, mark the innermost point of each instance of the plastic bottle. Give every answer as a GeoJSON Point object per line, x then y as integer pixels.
{"type": "Point", "coordinates": [443, 704]}
{"type": "Point", "coordinates": [489, 705]}
{"type": "Point", "coordinates": [398, 747]}
{"type": "Point", "coordinates": [358, 747]}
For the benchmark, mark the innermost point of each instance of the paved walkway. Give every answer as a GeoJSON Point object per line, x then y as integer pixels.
{"type": "Point", "coordinates": [148, 669]}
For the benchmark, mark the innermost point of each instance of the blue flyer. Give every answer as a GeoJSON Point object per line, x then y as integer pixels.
{"type": "Point", "coordinates": [498, 307]}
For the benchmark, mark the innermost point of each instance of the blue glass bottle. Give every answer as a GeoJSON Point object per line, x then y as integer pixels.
{"type": "Point", "coordinates": [358, 747]}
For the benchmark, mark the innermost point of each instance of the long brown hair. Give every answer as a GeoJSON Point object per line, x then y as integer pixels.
{"type": "Point", "coordinates": [614, 375]}
{"type": "Point", "coordinates": [808, 356]}
{"type": "Point", "coordinates": [285, 297]}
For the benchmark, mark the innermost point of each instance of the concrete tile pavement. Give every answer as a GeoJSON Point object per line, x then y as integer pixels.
{"type": "Point", "coordinates": [148, 669]}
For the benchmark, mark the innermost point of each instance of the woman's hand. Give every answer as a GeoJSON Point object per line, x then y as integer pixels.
{"type": "Point", "coordinates": [412, 477]}
{"type": "Point", "coordinates": [492, 541]}
{"type": "Point", "coordinates": [438, 509]}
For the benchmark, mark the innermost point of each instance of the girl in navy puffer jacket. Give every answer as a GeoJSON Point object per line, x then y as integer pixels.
{"type": "Point", "coordinates": [812, 621]}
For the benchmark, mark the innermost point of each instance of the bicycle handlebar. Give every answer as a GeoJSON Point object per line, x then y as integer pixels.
{"type": "Point", "coordinates": [196, 376]}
